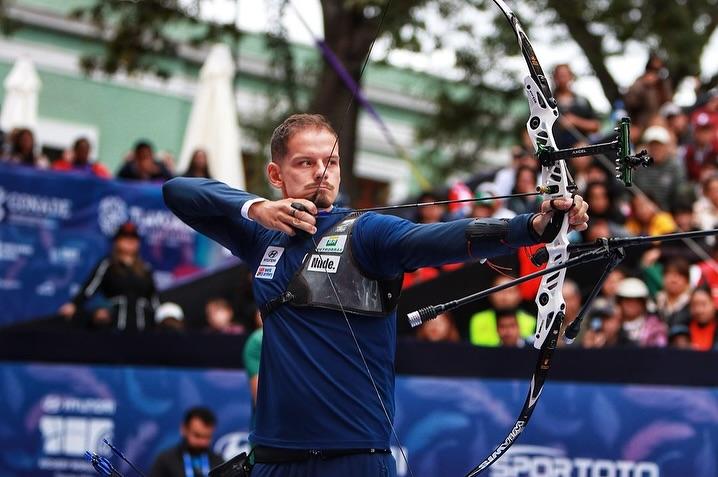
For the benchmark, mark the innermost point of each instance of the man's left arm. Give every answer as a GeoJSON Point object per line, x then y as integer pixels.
{"type": "Point", "coordinates": [387, 246]}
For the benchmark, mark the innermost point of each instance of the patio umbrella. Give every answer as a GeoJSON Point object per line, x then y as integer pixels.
{"type": "Point", "coordinates": [212, 123]}
{"type": "Point", "coordinates": [22, 88]}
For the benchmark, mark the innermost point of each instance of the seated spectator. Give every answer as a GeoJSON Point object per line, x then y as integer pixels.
{"type": "Point", "coordinates": [701, 154]}
{"type": "Point", "coordinates": [482, 325]}
{"type": "Point", "coordinates": [705, 209]}
{"type": "Point", "coordinates": [679, 336]}
{"type": "Point", "coordinates": [142, 165]}
{"type": "Point", "coordinates": [642, 328]}
{"type": "Point", "coordinates": [429, 214]}
{"type": "Point", "coordinates": [677, 123]}
{"type": "Point", "coordinates": [220, 317]}
{"type": "Point", "coordinates": [647, 219]}
{"type": "Point", "coordinates": [573, 300]}
{"type": "Point", "coordinates": [505, 178]}
{"type": "Point", "coordinates": [666, 177]}
{"type": "Point", "coordinates": [577, 119]}
{"type": "Point", "coordinates": [22, 150]}
{"type": "Point", "coordinates": [125, 282]}
{"type": "Point", "coordinates": [442, 328]}
{"type": "Point", "coordinates": [79, 160]}
{"type": "Point", "coordinates": [603, 204]}
{"type": "Point", "coordinates": [708, 105]}
{"type": "Point", "coordinates": [703, 324]}
{"type": "Point", "coordinates": [490, 207]}
{"type": "Point", "coordinates": [193, 456]}
{"type": "Point", "coordinates": [709, 273]}
{"type": "Point", "coordinates": [169, 317]}
{"type": "Point", "coordinates": [672, 301]}
{"type": "Point", "coordinates": [507, 329]}
{"type": "Point", "coordinates": [610, 286]}
{"type": "Point", "coordinates": [198, 165]}
{"type": "Point", "coordinates": [526, 181]}
{"type": "Point", "coordinates": [605, 327]}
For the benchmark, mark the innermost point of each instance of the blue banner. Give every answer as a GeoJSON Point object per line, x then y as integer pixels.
{"type": "Point", "coordinates": [56, 226]}
{"type": "Point", "coordinates": [51, 414]}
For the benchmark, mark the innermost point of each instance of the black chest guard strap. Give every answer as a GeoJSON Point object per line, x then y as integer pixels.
{"type": "Point", "coordinates": [332, 263]}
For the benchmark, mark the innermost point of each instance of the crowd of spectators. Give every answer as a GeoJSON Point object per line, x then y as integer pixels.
{"type": "Point", "coordinates": [667, 296]}
{"type": "Point", "coordinates": [664, 294]}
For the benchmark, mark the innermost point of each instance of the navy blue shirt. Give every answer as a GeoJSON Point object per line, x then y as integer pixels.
{"type": "Point", "coordinates": [314, 392]}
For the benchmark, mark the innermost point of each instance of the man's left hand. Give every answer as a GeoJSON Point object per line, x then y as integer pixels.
{"type": "Point", "coordinates": [577, 215]}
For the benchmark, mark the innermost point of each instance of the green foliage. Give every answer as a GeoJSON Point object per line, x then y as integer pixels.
{"type": "Point", "coordinates": [137, 33]}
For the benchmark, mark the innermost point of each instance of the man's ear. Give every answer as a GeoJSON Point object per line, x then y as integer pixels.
{"type": "Point", "coordinates": [274, 174]}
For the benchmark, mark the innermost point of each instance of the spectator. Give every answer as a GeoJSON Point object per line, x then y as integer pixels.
{"type": "Point", "coordinates": [507, 328]}
{"type": "Point", "coordinates": [482, 325]}
{"type": "Point", "coordinates": [429, 214]}
{"type": "Point", "coordinates": [198, 165]}
{"type": "Point", "coordinates": [604, 327]}
{"type": "Point", "coordinates": [525, 182]}
{"type": "Point", "coordinates": [126, 283]}
{"type": "Point", "coordinates": [220, 317]}
{"type": "Point", "coordinates": [701, 154]}
{"type": "Point", "coordinates": [705, 209]}
{"type": "Point", "coordinates": [672, 301]}
{"type": "Point", "coordinates": [169, 317]}
{"type": "Point", "coordinates": [573, 300]}
{"type": "Point", "coordinates": [192, 457]}
{"type": "Point", "coordinates": [79, 160]}
{"type": "Point", "coordinates": [677, 123]}
{"type": "Point", "coordinates": [709, 273]}
{"type": "Point", "coordinates": [505, 178]}
{"type": "Point", "coordinates": [603, 205]}
{"type": "Point", "coordinates": [577, 119]}
{"type": "Point", "coordinates": [442, 328]}
{"type": "Point", "coordinates": [679, 336]}
{"type": "Point", "coordinates": [642, 328]}
{"type": "Point", "coordinates": [142, 166]}
{"type": "Point", "coordinates": [490, 207]}
{"type": "Point", "coordinates": [649, 92]}
{"type": "Point", "coordinates": [251, 354]}
{"type": "Point", "coordinates": [709, 107]}
{"type": "Point", "coordinates": [664, 179]}
{"type": "Point", "coordinates": [647, 218]}
{"type": "Point", "coordinates": [22, 150]}
{"type": "Point", "coordinates": [610, 286]}
{"type": "Point", "coordinates": [702, 323]}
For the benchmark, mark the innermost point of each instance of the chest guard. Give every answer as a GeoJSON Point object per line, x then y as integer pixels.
{"type": "Point", "coordinates": [333, 260]}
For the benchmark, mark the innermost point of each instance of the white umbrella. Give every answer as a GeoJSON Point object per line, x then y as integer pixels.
{"type": "Point", "coordinates": [212, 123]}
{"type": "Point", "coordinates": [22, 87]}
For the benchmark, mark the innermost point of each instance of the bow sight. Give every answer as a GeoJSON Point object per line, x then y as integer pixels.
{"type": "Point", "coordinates": [625, 162]}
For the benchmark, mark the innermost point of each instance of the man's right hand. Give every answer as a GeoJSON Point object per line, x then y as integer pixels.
{"type": "Point", "coordinates": [280, 215]}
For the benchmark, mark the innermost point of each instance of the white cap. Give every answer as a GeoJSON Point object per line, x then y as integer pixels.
{"type": "Point", "coordinates": [657, 134]}
{"type": "Point", "coordinates": [632, 288]}
{"type": "Point", "coordinates": [169, 310]}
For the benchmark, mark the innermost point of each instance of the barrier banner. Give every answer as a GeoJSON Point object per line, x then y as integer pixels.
{"type": "Point", "coordinates": [51, 414]}
{"type": "Point", "coordinates": [55, 227]}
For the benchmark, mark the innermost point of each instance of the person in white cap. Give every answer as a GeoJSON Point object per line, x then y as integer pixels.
{"type": "Point", "coordinates": [642, 328]}
{"type": "Point", "coordinates": [169, 316]}
{"type": "Point", "coordinates": [665, 176]}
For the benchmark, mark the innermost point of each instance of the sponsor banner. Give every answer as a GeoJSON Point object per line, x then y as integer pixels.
{"type": "Point", "coordinates": [332, 244]}
{"type": "Point", "coordinates": [51, 414]}
{"type": "Point", "coordinates": [55, 227]}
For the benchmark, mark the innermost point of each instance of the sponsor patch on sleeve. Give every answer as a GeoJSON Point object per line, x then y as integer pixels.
{"type": "Point", "coordinates": [266, 273]}
{"type": "Point", "coordinates": [271, 256]}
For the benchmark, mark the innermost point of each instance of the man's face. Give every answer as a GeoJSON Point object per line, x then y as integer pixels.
{"type": "Point", "coordinates": [298, 174]}
{"type": "Point", "coordinates": [506, 299]}
{"type": "Point", "coordinates": [702, 308]}
{"type": "Point", "coordinates": [658, 151]}
{"type": "Point", "coordinates": [508, 330]}
{"type": "Point", "coordinates": [197, 435]}
{"type": "Point", "coordinates": [632, 308]}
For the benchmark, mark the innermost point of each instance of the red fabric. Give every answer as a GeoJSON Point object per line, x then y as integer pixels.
{"type": "Point", "coordinates": [702, 337]}
{"type": "Point", "coordinates": [693, 166]}
{"type": "Point", "coordinates": [530, 288]}
{"type": "Point", "coordinates": [709, 276]}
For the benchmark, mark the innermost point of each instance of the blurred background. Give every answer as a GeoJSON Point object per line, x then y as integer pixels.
{"type": "Point", "coordinates": [117, 319]}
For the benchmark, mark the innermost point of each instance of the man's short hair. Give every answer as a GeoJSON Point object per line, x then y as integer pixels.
{"type": "Point", "coordinates": [292, 125]}
{"type": "Point", "coordinates": [203, 414]}
{"type": "Point", "coordinates": [142, 144]}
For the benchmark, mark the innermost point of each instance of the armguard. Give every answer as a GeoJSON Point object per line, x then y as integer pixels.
{"type": "Point", "coordinates": [487, 229]}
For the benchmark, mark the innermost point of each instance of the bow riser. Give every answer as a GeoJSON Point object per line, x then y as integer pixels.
{"type": "Point", "coordinates": [543, 115]}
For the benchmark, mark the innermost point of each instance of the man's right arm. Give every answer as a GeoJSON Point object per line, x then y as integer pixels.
{"type": "Point", "coordinates": [212, 208]}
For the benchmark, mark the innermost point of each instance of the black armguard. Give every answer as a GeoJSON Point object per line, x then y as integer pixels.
{"type": "Point", "coordinates": [487, 229]}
